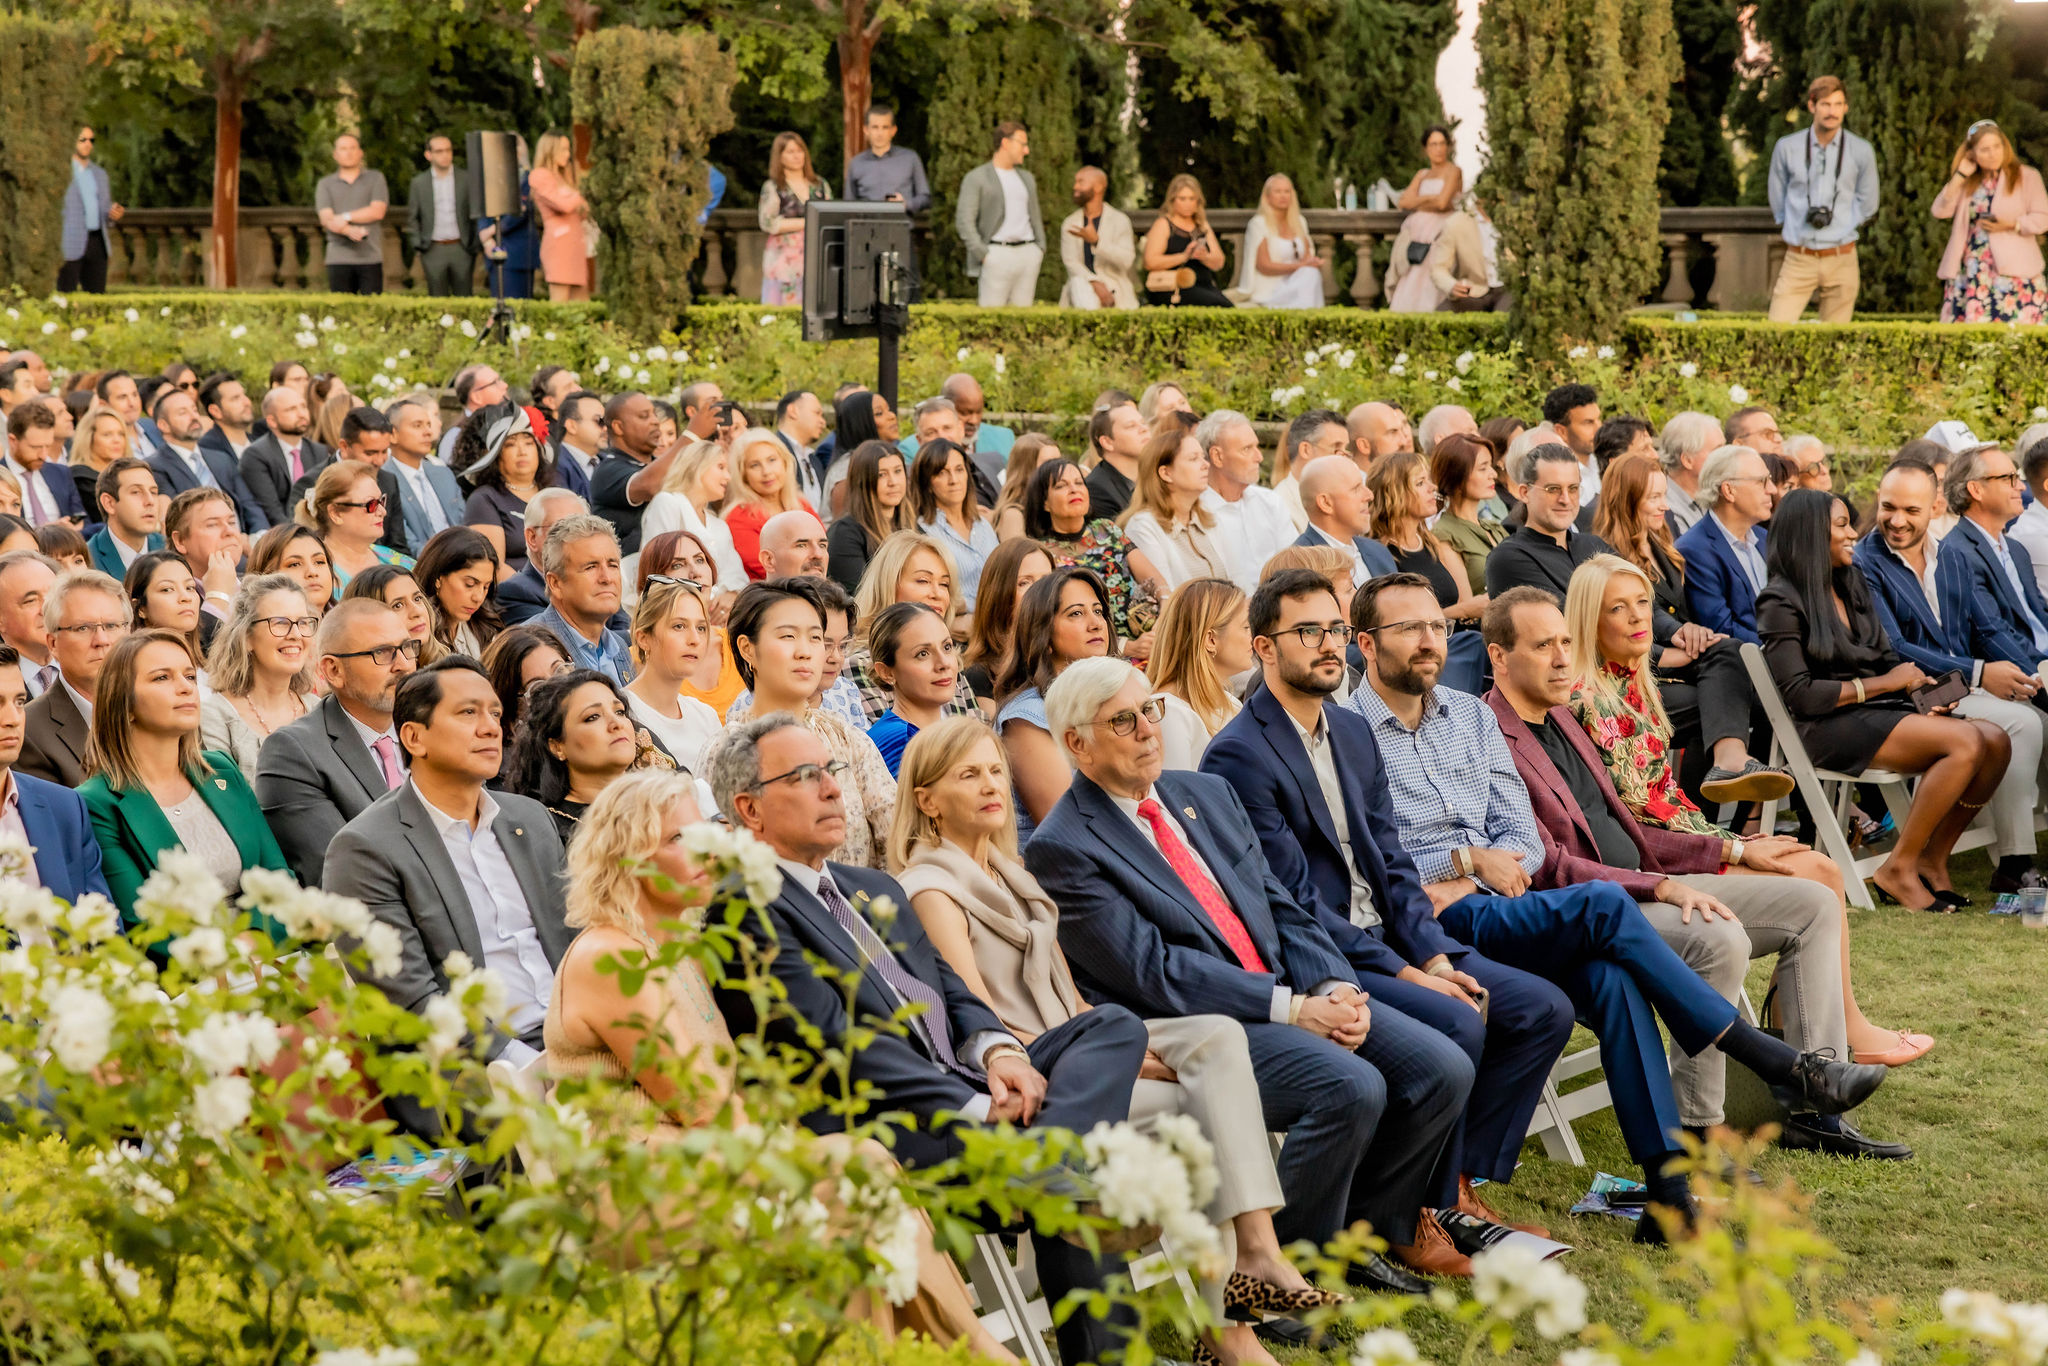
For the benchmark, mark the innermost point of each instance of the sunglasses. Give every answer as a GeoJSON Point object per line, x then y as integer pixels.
{"type": "Point", "coordinates": [368, 504]}
{"type": "Point", "coordinates": [675, 583]}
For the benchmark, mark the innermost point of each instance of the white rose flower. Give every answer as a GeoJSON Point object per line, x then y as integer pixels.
{"type": "Point", "coordinates": [547, 336]}
{"type": "Point", "coordinates": [305, 320]}
{"type": "Point", "coordinates": [237, 332]}
{"type": "Point", "coordinates": [468, 328]}
{"type": "Point", "coordinates": [1593, 1356]}
{"type": "Point", "coordinates": [1576, 353]}
{"type": "Point", "coordinates": [767, 320]}
{"type": "Point", "coordinates": [1001, 363]}
{"type": "Point", "coordinates": [181, 887]}
{"type": "Point", "coordinates": [92, 919]}
{"type": "Point", "coordinates": [340, 349]}
{"type": "Point", "coordinates": [385, 949]}
{"type": "Point", "coordinates": [405, 353]}
{"type": "Point", "coordinates": [227, 1042]}
{"type": "Point", "coordinates": [164, 312]}
{"type": "Point", "coordinates": [1429, 375]}
{"type": "Point", "coordinates": [1454, 384]}
{"type": "Point", "coordinates": [447, 320]}
{"type": "Point", "coordinates": [1866, 1357]}
{"type": "Point", "coordinates": [78, 334]}
{"type": "Point", "coordinates": [1311, 358]}
{"type": "Point", "coordinates": [457, 964]}
{"type": "Point", "coordinates": [2040, 413]}
{"type": "Point", "coordinates": [632, 358]}
{"type": "Point", "coordinates": [1464, 361]}
{"type": "Point", "coordinates": [1136, 1186]}
{"type": "Point", "coordinates": [1310, 372]}
{"type": "Point", "coordinates": [122, 1171]}
{"type": "Point", "coordinates": [60, 301]}
{"type": "Point", "coordinates": [332, 1063]}
{"type": "Point", "coordinates": [1688, 370]}
{"type": "Point", "coordinates": [132, 316]}
{"type": "Point", "coordinates": [327, 323]}
{"type": "Point", "coordinates": [1514, 1280]}
{"type": "Point", "coordinates": [604, 363]}
{"type": "Point", "coordinates": [48, 328]}
{"type": "Point", "coordinates": [1397, 369]}
{"type": "Point", "coordinates": [306, 339]}
{"type": "Point", "coordinates": [1737, 394]}
{"type": "Point", "coordinates": [895, 1246]}
{"type": "Point", "coordinates": [1346, 359]}
{"type": "Point", "coordinates": [361, 1356]}
{"type": "Point", "coordinates": [78, 1027]}
{"type": "Point", "coordinates": [446, 1027]}
{"type": "Point", "coordinates": [642, 377]}
{"type": "Point", "coordinates": [962, 354]}
{"type": "Point", "coordinates": [1385, 1347]}
{"type": "Point", "coordinates": [681, 357]}
{"type": "Point", "coordinates": [1605, 353]}
{"type": "Point", "coordinates": [123, 1279]}
{"type": "Point", "coordinates": [1401, 359]}
{"type": "Point", "coordinates": [221, 1106]}
{"type": "Point", "coordinates": [2023, 1328]}
{"type": "Point", "coordinates": [657, 353]}
{"type": "Point", "coordinates": [14, 313]}
{"type": "Point", "coordinates": [26, 907]}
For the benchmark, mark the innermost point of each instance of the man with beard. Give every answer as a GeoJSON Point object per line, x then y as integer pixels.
{"type": "Point", "coordinates": [282, 456]}
{"type": "Point", "coordinates": [1452, 869]}
{"type": "Point", "coordinates": [1097, 247]}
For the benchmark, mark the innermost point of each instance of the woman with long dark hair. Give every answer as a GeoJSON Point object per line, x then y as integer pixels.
{"type": "Point", "coordinates": [1008, 575]}
{"type": "Point", "coordinates": [577, 734]}
{"type": "Point", "coordinates": [458, 572]}
{"type": "Point", "coordinates": [1847, 690]}
{"type": "Point", "coordinates": [942, 496]}
{"type": "Point", "coordinates": [860, 415]}
{"type": "Point", "coordinates": [877, 507]}
{"type": "Point", "coordinates": [1064, 617]}
{"type": "Point", "coordinates": [1056, 516]}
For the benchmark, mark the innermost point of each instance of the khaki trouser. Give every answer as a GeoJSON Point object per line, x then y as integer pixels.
{"type": "Point", "coordinates": [1835, 277]}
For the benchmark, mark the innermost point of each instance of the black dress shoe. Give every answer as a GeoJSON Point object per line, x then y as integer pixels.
{"type": "Point", "coordinates": [1837, 1137]}
{"type": "Point", "coordinates": [1377, 1273]}
{"type": "Point", "coordinates": [1285, 1333]}
{"type": "Point", "coordinates": [2029, 881]}
{"type": "Point", "coordinates": [1650, 1229]}
{"type": "Point", "coordinates": [1820, 1083]}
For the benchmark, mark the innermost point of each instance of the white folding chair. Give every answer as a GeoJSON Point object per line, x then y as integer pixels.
{"type": "Point", "coordinates": [528, 1083]}
{"type": "Point", "coordinates": [1012, 1309]}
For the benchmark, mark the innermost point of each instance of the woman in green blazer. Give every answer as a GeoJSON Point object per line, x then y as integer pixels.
{"type": "Point", "coordinates": [152, 787]}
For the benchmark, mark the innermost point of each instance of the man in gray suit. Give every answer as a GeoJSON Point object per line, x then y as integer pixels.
{"type": "Point", "coordinates": [86, 614]}
{"type": "Point", "coordinates": [427, 493]}
{"type": "Point", "coordinates": [999, 221]}
{"type": "Point", "coordinates": [441, 221]}
{"type": "Point", "coordinates": [452, 866]}
{"type": "Point", "coordinates": [320, 772]}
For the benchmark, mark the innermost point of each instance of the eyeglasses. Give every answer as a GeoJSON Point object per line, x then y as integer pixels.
{"type": "Point", "coordinates": [368, 504]}
{"type": "Point", "coordinates": [2011, 477]}
{"type": "Point", "coordinates": [95, 628]}
{"type": "Point", "coordinates": [284, 626]}
{"type": "Point", "coordinates": [381, 655]}
{"type": "Point", "coordinates": [806, 775]}
{"type": "Point", "coordinates": [1414, 630]}
{"type": "Point", "coordinates": [1311, 636]}
{"type": "Point", "coordinates": [1126, 722]}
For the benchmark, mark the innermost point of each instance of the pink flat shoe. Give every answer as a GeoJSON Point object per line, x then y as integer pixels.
{"type": "Point", "coordinates": [1910, 1047]}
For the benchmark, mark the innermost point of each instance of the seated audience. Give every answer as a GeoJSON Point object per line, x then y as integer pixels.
{"type": "Point", "coordinates": [837, 691]}
{"type": "Point", "coordinates": [504, 463]}
{"type": "Point", "coordinates": [300, 552]}
{"type": "Point", "coordinates": [1724, 552]}
{"type": "Point", "coordinates": [1159, 397]}
{"type": "Point", "coordinates": [1116, 436]}
{"type": "Point", "coordinates": [1204, 643]}
{"type": "Point", "coordinates": [520, 658]}
{"type": "Point", "coordinates": [1461, 465]}
{"type": "Point", "coordinates": [1166, 519]}
{"type": "Point", "coordinates": [948, 510]}
{"type": "Point", "coordinates": [576, 734]}
{"type": "Point", "coordinates": [85, 613]}
{"type": "Point", "coordinates": [1097, 247]}
{"type": "Point", "coordinates": [580, 560]}
{"type": "Point", "coordinates": [778, 633]}
{"type": "Point", "coordinates": [793, 546]}
{"type": "Point", "coordinates": [1922, 594]}
{"type": "Point", "coordinates": [912, 659]}
{"type": "Point", "coordinates": [1549, 545]}
{"type": "Point", "coordinates": [1809, 457]}
{"type": "Point", "coordinates": [1016, 565]}
{"type": "Point", "coordinates": [524, 596]}
{"type": "Point", "coordinates": [1167, 907]}
{"type": "Point", "coordinates": [1339, 502]}
{"type": "Point", "coordinates": [1063, 618]}
{"type": "Point", "coordinates": [630, 886]}
{"type": "Point", "coordinates": [954, 852]}
{"type": "Point", "coordinates": [951, 1063]}
{"type": "Point", "coordinates": [1445, 419]}
{"type": "Point", "coordinates": [64, 855]}
{"type": "Point", "coordinates": [1309, 436]}
{"type": "Point", "coordinates": [398, 589]}
{"type": "Point", "coordinates": [1700, 674]}
{"type": "Point", "coordinates": [185, 460]}
{"type": "Point", "coordinates": [1755, 428]}
{"type": "Point", "coordinates": [2030, 530]}
{"type": "Point", "coordinates": [767, 485]}
{"type": "Point", "coordinates": [429, 499]}
{"type": "Point", "coordinates": [1846, 689]}
{"type": "Point", "coordinates": [1180, 251]}
{"type": "Point", "coordinates": [15, 534]}
{"type": "Point", "coordinates": [672, 636]}
{"type": "Point", "coordinates": [99, 439]}
{"type": "Point", "coordinates": [1250, 524]}
{"type": "Point", "coordinates": [696, 483]}
{"type": "Point", "coordinates": [162, 594]}
{"type": "Point", "coordinates": [1372, 431]}
{"type": "Point", "coordinates": [61, 542]}
{"type": "Point", "coordinates": [200, 526]}
{"type": "Point", "coordinates": [152, 788]}
{"type": "Point", "coordinates": [346, 508]}
{"type": "Point", "coordinates": [712, 678]}
{"type": "Point", "coordinates": [877, 507]}
{"type": "Point", "coordinates": [1057, 516]}
{"type": "Point", "coordinates": [48, 493]}
{"type": "Point", "coordinates": [1982, 490]}
{"type": "Point", "coordinates": [1682, 447]}
{"type": "Point", "coordinates": [858, 416]}
{"type": "Point", "coordinates": [259, 670]}
{"type": "Point", "coordinates": [126, 498]}
{"type": "Point", "coordinates": [1589, 835]}
{"type": "Point", "coordinates": [458, 573]}
{"type": "Point", "coordinates": [25, 580]}
{"type": "Point", "coordinates": [1030, 451]}
{"type": "Point", "coordinates": [1403, 501]}
{"type": "Point", "coordinates": [1279, 267]}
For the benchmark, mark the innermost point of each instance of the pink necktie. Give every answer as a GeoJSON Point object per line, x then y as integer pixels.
{"type": "Point", "coordinates": [1182, 861]}
{"type": "Point", "coordinates": [37, 513]}
{"type": "Point", "coordinates": [387, 755]}
{"type": "Point", "coordinates": [299, 472]}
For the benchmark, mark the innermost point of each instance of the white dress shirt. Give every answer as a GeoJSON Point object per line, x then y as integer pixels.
{"type": "Point", "coordinates": [2012, 576]}
{"type": "Point", "coordinates": [2031, 531]}
{"type": "Point", "coordinates": [1016, 224]}
{"type": "Point", "coordinates": [1359, 573]}
{"type": "Point", "coordinates": [1250, 531]}
{"type": "Point", "coordinates": [129, 553]}
{"type": "Point", "coordinates": [1746, 554]}
{"type": "Point", "coordinates": [1323, 759]}
{"type": "Point", "coordinates": [503, 920]}
{"type": "Point", "coordinates": [973, 1052]}
{"type": "Point", "coordinates": [445, 229]}
{"type": "Point", "coordinates": [78, 699]}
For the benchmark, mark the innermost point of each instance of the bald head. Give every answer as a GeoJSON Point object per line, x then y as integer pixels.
{"type": "Point", "coordinates": [1333, 491]}
{"type": "Point", "coordinates": [1378, 429]}
{"type": "Point", "coordinates": [792, 545]}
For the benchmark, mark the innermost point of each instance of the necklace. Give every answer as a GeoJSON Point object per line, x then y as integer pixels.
{"type": "Point", "coordinates": [264, 723]}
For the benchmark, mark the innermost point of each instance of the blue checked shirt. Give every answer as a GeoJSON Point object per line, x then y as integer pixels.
{"type": "Point", "coordinates": [1453, 782]}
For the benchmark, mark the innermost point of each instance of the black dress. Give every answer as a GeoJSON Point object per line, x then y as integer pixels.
{"type": "Point", "coordinates": [1843, 738]}
{"type": "Point", "coordinates": [1423, 561]}
{"type": "Point", "coordinates": [1203, 293]}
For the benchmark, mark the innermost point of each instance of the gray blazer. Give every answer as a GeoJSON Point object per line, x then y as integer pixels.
{"type": "Point", "coordinates": [391, 859]}
{"type": "Point", "coordinates": [419, 212]}
{"type": "Point", "coordinates": [53, 747]}
{"type": "Point", "coordinates": [441, 480]}
{"type": "Point", "coordinates": [74, 210]}
{"type": "Point", "coordinates": [981, 212]}
{"type": "Point", "coordinates": [313, 777]}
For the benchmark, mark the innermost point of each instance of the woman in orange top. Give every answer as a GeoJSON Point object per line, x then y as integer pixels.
{"type": "Point", "coordinates": [565, 248]}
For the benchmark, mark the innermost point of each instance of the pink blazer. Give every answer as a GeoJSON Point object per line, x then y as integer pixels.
{"type": "Point", "coordinates": [564, 259]}
{"type": "Point", "coordinates": [2014, 253]}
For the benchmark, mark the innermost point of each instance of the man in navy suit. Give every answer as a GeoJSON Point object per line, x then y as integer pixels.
{"type": "Point", "coordinates": [954, 1061]}
{"type": "Point", "coordinates": [1959, 629]}
{"type": "Point", "coordinates": [1983, 489]}
{"type": "Point", "coordinates": [49, 818]}
{"type": "Point", "coordinates": [1167, 907]}
{"type": "Point", "coordinates": [48, 493]}
{"type": "Point", "coordinates": [579, 419]}
{"type": "Point", "coordinates": [1724, 551]}
{"type": "Point", "coordinates": [182, 460]}
{"type": "Point", "coordinates": [1339, 506]}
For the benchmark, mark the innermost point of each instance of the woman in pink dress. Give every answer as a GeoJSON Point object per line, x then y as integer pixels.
{"type": "Point", "coordinates": [1427, 201]}
{"type": "Point", "coordinates": [565, 246]}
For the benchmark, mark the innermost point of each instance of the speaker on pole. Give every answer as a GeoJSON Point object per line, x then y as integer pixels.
{"type": "Point", "coordinates": [494, 173]}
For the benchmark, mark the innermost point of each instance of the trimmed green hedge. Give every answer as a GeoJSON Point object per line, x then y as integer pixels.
{"type": "Point", "coordinates": [1865, 387]}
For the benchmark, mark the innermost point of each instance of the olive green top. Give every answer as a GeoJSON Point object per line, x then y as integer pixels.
{"type": "Point", "coordinates": [1472, 540]}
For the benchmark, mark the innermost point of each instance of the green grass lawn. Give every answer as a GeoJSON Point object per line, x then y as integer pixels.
{"type": "Point", "coordinates": [1970, 1210]}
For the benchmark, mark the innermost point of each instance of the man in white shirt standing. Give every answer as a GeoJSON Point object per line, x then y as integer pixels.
{"type": "Point", "coordinates": [999, 221]}
{"type": "Point", "coordinates": [1252, 524]}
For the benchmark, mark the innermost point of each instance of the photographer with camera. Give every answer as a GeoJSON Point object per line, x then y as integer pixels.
{"type": "Point", "coordinates": [1823, 188]}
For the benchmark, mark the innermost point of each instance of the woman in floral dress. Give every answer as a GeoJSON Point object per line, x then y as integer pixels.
{"type": "Point", "coordinates": [790, 185]}
{"type": "Point", "coordinates": [1992, 269]}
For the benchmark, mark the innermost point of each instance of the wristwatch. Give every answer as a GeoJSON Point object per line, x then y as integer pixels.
{"type": "Point", "coordinates": [997, 1050]}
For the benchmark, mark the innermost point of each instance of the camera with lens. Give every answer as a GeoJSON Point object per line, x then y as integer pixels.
{"type": "Point", "coordinates": [1820, 215]}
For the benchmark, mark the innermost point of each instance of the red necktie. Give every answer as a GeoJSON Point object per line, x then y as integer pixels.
{"type": "Point", "coordinates": [1182, 861]}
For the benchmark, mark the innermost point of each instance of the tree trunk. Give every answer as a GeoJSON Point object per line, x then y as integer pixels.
{"type": "Point", "coordinates": [856, 79]}
{"type": "Point", "coordinates": [222, 268]}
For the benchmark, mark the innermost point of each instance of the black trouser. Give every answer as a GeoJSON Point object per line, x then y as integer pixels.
{"type": "Point", "coordinates": [1708, 701]}
{"type": "Point", "coordinates": [89, 272]}
{"type": "Point", "coordinates": [343, 279]}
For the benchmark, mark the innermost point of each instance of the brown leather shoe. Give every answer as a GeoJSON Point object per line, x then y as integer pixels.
{"type": "Point", "coordinates": [1432, 1253]}
{"type": "Point", "coordinates": [1470, 1203]}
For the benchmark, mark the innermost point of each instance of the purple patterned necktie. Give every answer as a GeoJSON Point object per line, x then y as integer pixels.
{"type": "Point", "coordinates": [930, 1026]}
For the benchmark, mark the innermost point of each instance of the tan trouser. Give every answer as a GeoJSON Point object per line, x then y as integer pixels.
{"type": "Point", "coordinates": [1834, 276]}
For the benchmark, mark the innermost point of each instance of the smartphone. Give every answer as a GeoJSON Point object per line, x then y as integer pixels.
{"type": "Point", "coordinates": [1944, 691]}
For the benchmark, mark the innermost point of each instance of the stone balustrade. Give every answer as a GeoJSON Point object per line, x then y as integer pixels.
{"type": "Point", "coordinates": [283, 248]}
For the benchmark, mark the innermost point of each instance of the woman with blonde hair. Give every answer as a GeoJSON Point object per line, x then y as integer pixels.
{"type": "Point", "coordinates": [633, 886]}
{"type": "Point", "coordinates": [766, 484]}
{"type": "Point", "coordinates": [1614, 695]}
{"type": "Point", "coordinates": [671, 639]}
{"type": "Point", "coordinates": [791, 183]}
{"type": "Point", "coordinates": [1028, 452]}
{"type": "Point", "coordinates": [1182, 254]}
{"type": "Point", "coordinates": [568, 236]}
{"type": "Point", "coordinates": [1991, 270]}
{"type": "Point", "coordinates": [1166, 519]}
{"type": "Point", "coordinates": [346, 509]}
{"type": "Point", "coordinates": [1204, 640]}
{"type": "Point", "coordinates": [100, 439]}
{"type": "Point", "coordinates": [954, 846]}
{"type": "Point", "coordinates": [697, 482]}
{"type": "Point", "coordinates": [909, 567]}
{"type": "Point", "coordinates": [1159, 397]}
{"type": "Point", "coordinates": [327, 418]}
{"type": "Point", "coordinates": [260, 668]}
{"type": "Point", "coordinates": [1280, 268]}
{"type": "Point", "coordinates": [1404, 498]}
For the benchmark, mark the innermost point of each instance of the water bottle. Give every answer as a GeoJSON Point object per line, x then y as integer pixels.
{"type": "Point", "coordinates": [1350, 196]}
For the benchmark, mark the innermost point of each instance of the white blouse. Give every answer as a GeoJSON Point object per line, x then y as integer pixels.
{"type": "Point", "coordinates": [673, 512]}
{"type": "Point", "coordinates": [685, 737]}
{"type": "Point", "coordinates": [1179, 555]}
{"type": "Point", "coordinates": [1183, 739]}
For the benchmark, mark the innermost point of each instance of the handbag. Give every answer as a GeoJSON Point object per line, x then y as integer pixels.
{"type": "Point", "coordinates": [1418, 252]}
{"type": "Point", "coordinates": [1169, 281]}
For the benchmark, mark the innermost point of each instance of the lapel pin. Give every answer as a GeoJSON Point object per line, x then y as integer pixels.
{"type": "Point", "coordinates": [1190, 812]}
{"type": "Point", "coordinates": [221, 783]}
{"type": "Point", "coordinates": [518, 830]}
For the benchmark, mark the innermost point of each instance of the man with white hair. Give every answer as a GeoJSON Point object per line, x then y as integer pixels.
{"type": "Point", "coordinates": [1167, 907]}
{"type": "Point", "coordinates": [1252, 524]}
{"type": "Point", "coordinates": [1377, 429]}
{"type": "Point", "coordinates": [1724, 553]}
{"type": "Point", "coordinates": [1809, 457]}
{"type": "Point", "coordinates": [580, 559]}
{"type": "Point", "coordinates": [1446, 419]}
{"type": "Point", "coordinates": [793, 546]}
{"type": "Point", "coordinates": [1681, 449]}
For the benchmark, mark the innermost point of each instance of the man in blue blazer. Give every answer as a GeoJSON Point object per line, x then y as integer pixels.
{"type": "Point", "coordinates": [1167, 907]}
{"type": "Point", "coordinates": [1965, 634]}
{"type": "Point", "coordinates": [1983, 488]}
{"type": "Point", "coordinates": [949, 1062]}
{"type": "Point", "coordinates": [1724, 551]}
{"type": "Point", "coordinates": [128, 501]}
{"type": "Point", "coordinates": [1339, 506]}
{"type": "Point", "coordinates": [51, 818]}
{"type": "Point", "coordinates": [182, 460]}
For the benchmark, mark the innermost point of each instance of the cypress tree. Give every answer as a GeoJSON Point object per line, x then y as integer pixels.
{"type": "Point", "coordinates": [40, 99]}
{"type": "Point", "coordinates": [1697, 166]}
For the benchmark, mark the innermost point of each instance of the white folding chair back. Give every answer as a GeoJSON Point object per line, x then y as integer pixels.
{"type": "Point", "coordinates": [1012, 1309]}
{"type": "Point", "coordinates": [529, 1083]}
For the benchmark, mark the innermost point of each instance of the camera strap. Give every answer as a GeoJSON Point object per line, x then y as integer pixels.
{"type": "Point", "coordinates": [1841, 145]}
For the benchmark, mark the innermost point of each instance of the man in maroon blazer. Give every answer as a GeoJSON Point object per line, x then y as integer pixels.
{"type": "Point", "coordinates": [1746, 905]}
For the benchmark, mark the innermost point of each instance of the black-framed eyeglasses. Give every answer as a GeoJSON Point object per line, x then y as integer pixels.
{"type": "Point", "coordinates": [806, 775]}
{"type": "Point", "coordinates": [1311, 635]}
{"type": "Point", "coordinates": [381, 655]}
{"type": "Point", "coordinates": [284, 626]}
{"type": "Point", "coordinates": [1125, 722]}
